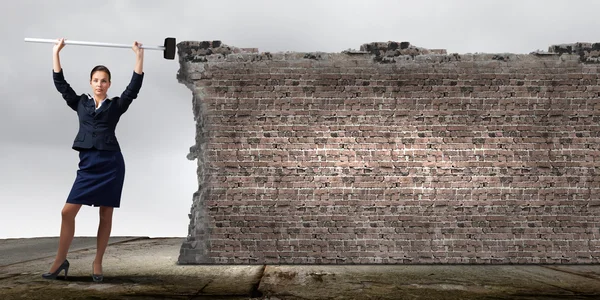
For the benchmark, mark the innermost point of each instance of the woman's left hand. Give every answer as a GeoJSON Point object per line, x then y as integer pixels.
{"type": "Point", "coordinates": [137, 48]}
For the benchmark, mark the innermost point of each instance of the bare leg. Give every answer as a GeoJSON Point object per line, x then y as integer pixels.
{"type": "Point", "coordinates": [67, 231]}
{"type": "Point", "coordinates": [104, 228]}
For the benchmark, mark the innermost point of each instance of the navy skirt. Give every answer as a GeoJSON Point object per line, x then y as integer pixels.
{"type": "Point", "coordinates": [99, 179]}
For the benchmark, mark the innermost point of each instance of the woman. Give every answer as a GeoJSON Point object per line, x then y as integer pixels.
{"type": "Point", "coordinates": [101, 171]}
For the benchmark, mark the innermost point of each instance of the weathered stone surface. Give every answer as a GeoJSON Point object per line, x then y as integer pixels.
{"type": "Point", "coordinates": [18, 250]}
{"type": "Point", "coordinates": [137, 269]}
{"type": "Point", "coordinates": [424, 282]}
{"type": "Point", "coordinates": [147, 269]}
{"type": "Point", "coordinates": [394, 154]}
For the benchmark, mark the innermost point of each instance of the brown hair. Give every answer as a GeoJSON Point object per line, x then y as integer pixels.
{"type": "Point", "coordinates": [100, 68]}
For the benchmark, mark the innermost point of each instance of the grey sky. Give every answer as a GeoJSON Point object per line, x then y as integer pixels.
{"type": "Point", "coordinates": [37, 128]}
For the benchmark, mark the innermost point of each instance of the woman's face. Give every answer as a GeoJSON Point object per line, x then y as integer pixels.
{"type": "Point", "coordinates": [100, 83]}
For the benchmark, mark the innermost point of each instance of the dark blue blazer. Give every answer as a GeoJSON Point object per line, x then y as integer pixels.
{"type": "Point", "coordinates": [97, 127]}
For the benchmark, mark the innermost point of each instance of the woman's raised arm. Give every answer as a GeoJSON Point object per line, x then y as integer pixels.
{"type": "Point", "coordinates": [139, 57]}
{"type": "Point", "coordinates": [132, 90]}
{"type": "Point", "coordinates": [59, 79]}
{"type": "Point", "coordinates": [56, 54]}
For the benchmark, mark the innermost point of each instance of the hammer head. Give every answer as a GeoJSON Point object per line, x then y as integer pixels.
{"type": "Point", "coordinates": [170, 47]}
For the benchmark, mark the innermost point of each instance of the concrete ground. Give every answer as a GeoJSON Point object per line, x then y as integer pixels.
{"type": "Point", "coordinates": [143, 268]}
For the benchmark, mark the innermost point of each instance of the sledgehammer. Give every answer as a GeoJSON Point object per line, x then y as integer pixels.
{"type": "Point", "coordinates": [168, 48]}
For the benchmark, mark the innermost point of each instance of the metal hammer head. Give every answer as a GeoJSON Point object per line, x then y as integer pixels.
{"type": "Point", "coordinates": [170, 47]}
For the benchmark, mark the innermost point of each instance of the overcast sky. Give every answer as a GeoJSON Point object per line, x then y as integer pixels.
{"type": "Point", "coordinates": [37, 128]}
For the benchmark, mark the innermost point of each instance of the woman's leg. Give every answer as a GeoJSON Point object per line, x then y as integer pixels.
{"type": "Point", "coordinates": [67, 231]}
{"type": "Point", "coordinates": [104, 228]}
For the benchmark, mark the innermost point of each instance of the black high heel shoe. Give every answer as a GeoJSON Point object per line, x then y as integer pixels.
{"type": "Point", "coordinates": [96, 277]}
{"type": "Point", "coordinates": [63, 266]}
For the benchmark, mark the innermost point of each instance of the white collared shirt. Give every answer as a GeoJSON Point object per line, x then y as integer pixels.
{"type": "Point", "coordinates": [99, 105]}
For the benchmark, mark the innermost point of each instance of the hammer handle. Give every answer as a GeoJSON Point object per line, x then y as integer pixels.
{"type": "Point", "coordinates": [81, 43]}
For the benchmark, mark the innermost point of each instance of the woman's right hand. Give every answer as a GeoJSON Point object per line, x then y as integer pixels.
{"type": "Point", "coordinates": [60, 43]}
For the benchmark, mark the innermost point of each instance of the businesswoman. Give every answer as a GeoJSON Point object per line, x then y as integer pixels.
{"type": "Point", "coordinates": [99, 180]}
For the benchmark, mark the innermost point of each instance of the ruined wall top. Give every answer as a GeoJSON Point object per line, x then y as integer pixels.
{"type": "Point", "coordinates": [381, 52]}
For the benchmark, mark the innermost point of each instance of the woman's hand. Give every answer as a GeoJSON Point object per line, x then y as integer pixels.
{"type": "Point", "coordinates": [139, 60]}
{"type": "Point", "coordinates": [60, 43]}
{"type": "Point", "coordinates": [137, 48]}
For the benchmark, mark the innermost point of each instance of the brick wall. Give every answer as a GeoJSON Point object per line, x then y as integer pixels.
{"type": "Point", "coordinates": [394, 154]}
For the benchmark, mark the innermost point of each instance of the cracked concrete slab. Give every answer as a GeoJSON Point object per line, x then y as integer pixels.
{"type": "Point", "coordinates": [143, 268]}
{"type": "Point", "coordinates": [588, 271]}
{"type": "Point", "coordinates": [147, 269]}
{"type": "Point", "coordinates": [20, 250]}
{"type": "Point", "coordinates": [424, 282]}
